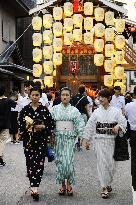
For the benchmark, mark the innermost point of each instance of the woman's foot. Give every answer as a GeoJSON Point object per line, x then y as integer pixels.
{"type": "Point", "coordinates": [109, 188]}
{"type": "Point", "coordinates": [62, 190]}
{"type": "Point", "coordinates": [69, 191]}
{"type": "Point", "coordinates": [34, 193]}
{"type": "Point", "coordinates": [104, 193]}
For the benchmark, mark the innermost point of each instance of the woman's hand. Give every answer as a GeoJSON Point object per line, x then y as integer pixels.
{"type": "Point", "coordinates": [115, 129]}
{"type": "Point", "coordinates": [85, 143]}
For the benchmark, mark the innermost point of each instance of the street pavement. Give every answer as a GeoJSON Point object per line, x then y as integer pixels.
{"type": "Point", "coordinates": [14, 185]}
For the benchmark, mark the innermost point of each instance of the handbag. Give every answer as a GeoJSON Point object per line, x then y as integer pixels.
{"type": "Point", "coordinates": [50, 154]}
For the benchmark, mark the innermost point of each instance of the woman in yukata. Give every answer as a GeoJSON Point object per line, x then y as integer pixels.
{"type": "Point", "coordinates": [36, 124]}
{"type": "Point", "coordinates": [103, 126]}
{"type": "Point", "coordinates": [69, 125]}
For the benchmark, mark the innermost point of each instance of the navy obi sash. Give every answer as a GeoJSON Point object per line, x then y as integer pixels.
{"type": "Point", "coordinates": [105, 128]}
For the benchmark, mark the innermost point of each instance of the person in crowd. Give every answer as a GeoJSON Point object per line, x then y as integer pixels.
{"type": "Point", "coordinates": [50, 101]}
{"type": "Point", "coordinates": [102, 127]}
{"type": "Point", "coordinates": [128, 98]}
{"type": "Point", "coordinates": [69, 125]}
{"type": "Point", "coordinates": [5, 113]}
{"type": "Point", "coordinates": [35, 124]}
{"type": "Point", "coordinates": [57, 99]}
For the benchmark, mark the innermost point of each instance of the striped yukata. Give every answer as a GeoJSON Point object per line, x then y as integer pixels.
{"type": "Point", "coordinates": [104, 140]}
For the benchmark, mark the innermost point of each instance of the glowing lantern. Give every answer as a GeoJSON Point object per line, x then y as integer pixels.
{"type": "Point", "coordinates": [47, 21]}
{"type": "Point", "coordinates": [37, 55]}
{"type": "Point", "coordinates": [119, 41]}
{"type": "Point", "coordinates": [98, 59]}
{"type": "Point", "coordinates": [88, 23]}
{"type": "Point", "coordinates": [88, 8]}
{"type": "Point", "coordinates": [47, 37]}
{"type": "Point", "coordinates": [37, 23]}
{"type": "Point", "coordinates": [37, 70]}
{"type": "Point", "coordinates": [119, 72]}
{"type": "Point", "coordinates": [99, 14]}
{"type": "Point", "coordinates": [77, 35]}
{"type": "Point", "coordinates": [57, 29]}
{"type": "Point", "coordinates": [109, 34]}
{"type": "Point", "coordinates": [57, 13]}
{"type": "Point", "coordinates": [47, 52]}
{"type": "Point", "coordinates": [68, 39]}
{"type": "Point", "coordinates": [68, 24]}
{"type": "Point", "coordinates": [123, 89]}
{"type": "Point", "coordinates": [119, 57]}
{"type": "Point", "coordinates": [109, 65]}
{"type": "Point", "coordinates": [77, 20]}
{"type": "Point", "coordinates": [48, 81]}
{"type": "Point", "coordinates": [99, 30]}
{"type": "Point", "coordinates": [109, 18]}
{"type": "Point", "coordinates": [88, 38]}
{"type": "Point", "coordinates": [108, 80]}
{"type": "Point", "coordinates": [48, 67]}
{"type": "Point", "coordinates": [54, 73]}
{"type": "Point", "coordinates": [109, 50]}
{"type": "Point", "coordinates": [120, 25]}
{"type": "Point", "coordinates": [99, 45]}
{"type": "Point", "coordinates": [118, 84]}
{"type": "Point", "coordinates": [37, 39]}
{"type": "Point", "coordinates": [57, 58]}
{"type": "Point", "coordinates": [68, 9]}
{"type": "Point", "coordinates": [57, 44]}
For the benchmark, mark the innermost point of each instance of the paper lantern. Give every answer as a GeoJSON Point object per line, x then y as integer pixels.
{"type": "Point", "coordinates": [99, 14]}
{"type": "Point", "coordinates": [109, 34]}
{"type": "Point", "coordinates": [47, 37]}
{"type": "Point", "coordinates": [120, 41]}
{"type": "Point", "coordinates": [99, 30]}
{"type": "Point", "coordinates": [68, 9]}
{"type": "Point", "coordinates": [118, 84]}
{"type": "Point", "coordinates": [37, 39]}
{"type": "Point", "coordinates": [109, 50]}
{"type": "Point", "coordinates": [47, 21]}
{"type": "Point", "coordinates": [120, 25]}
{"type": "Point", "coordinates": [88, 23]}
{"type": "Point", "coordinates": [68, 39]}
{"type": "Point", "coordinates": [57, 13]}
{"type": "Point", "coordinates": [54, 73]}
{"type": "Point", "coordinates": [123, 89]}
{"type": "Point", "coordinates": [77, 20]}
{"type": "Point", "coordinates": [37, 55]}
{"type": "Point", "coordinates": [119, 57]}
{"type": "Point", "coordinates": [88, 8]}
{"type": "Point", "coordinates": [37, 23]}
{"type": "Point", "coordinates": [48, 81]}
{"type": "Point", "coordinates": [109, 18]}
{"type": "Point", "coordinates": [57, 44]}
{"type": "Point", "coordinates": [98, 59]}
{"type": "Point", "coordinates": [47, 52]}
{"type": "Point", "coordinates": [108, 80]}
{"type": "Point", "coordinates": [48, 67]}
{"type": "Point", "coordinates": [119, 72]}
{"type": "Point", "coordinates": [57, 58]}
{"type": "Point", "coordinates": [109, 65]}
{"type": "Point", "coordinates": [68, 24]}
{"type": "Point", "coordinates": [77, 35]}
{"type": "Point", "coordinates": [57, 29]}
{"type": "Point", "coordinates": [99, 45]}
{"type": "Point", "coordinates": [88, 38]}
{"type": "Point", "coordinates": [37, 70]}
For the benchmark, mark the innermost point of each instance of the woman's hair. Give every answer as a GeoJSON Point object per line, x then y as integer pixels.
{"type": "Point", "coordinates": [49, 96]}
{"type": "Point", "coordinates": [81, 89]}
{"type": "Point", "coordinates": [65, 88]}
{"type": "Point", "coordinates": [36, 89]}
{"type": "Point", "coordinates": [105, 93]}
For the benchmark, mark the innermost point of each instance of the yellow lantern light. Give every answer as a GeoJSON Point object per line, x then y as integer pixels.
{"type": "Point", "coordinates": [108, 80]}
{"type": "Point", "coordinates": [119, 72]}
{"type": "Point", "coordinates": [68, 9]}
{"type": "Point", "coordinates": [99, 45]}
{"type": "Point", "coordinates": [120, 25]}
{"type": "Point", "coordinates": [54, 73]}
{"type": "Point", "coordinates": [37, 39]}
{"type": "Point", "coordinates": [99, 14]}
{"type": "Point", "coordinates": [37, 55]}
{"type": "Point", "coordinates": [88, 8]}
{"type": "Point", "coordinates": [119, 57]}
{"type": "Point", "coordinates": [47, 37]}
{"type": "Point", "coordinates": [88, 38]}
{"type": "Point", "coordinates": [118, 84]}
{"type": "Point", "coordinates": [57, 29]}
{"type": "Point", "coordinates": [57, 13]}
{"type": "Point", "coordinates": [109, 50]}
{"type": "Point", "coordinates": [98, 59]}
{"type": "Point", "coordinates": [88, 23]}
{"type": "Point", "coordinates": [68, 39]}
{"type": "Point", "coordinates": [68, 24]}
{"type": "Point", "coordinates": [37, 70]}
{"type": "Point", "coordinates": [77, 35]}
{"type": "Point", "coordinates": [57, 58]}
{"type": "Point", "coordinates": [47, 52]}
{"type": "Point", "coordinates": [120, 41]}
{"type": "Point", "coordinates": [99, 30]}
{"type": "Point", "coordinates": [57, 44]}
{"type": "Point", "coordinates": [109, 65]}
{"type": "Point", "coordinates": [123, 89]}
{"type": "Point", "coordinates": [109, 18]}
{"type": "Point", "coordinates": [37, 23]}
{"type": "Point", "coordinates": [48, 67]}
{"type": "Point", "coordinates": [47, 21]}
{"type": "Point", "coordinates": [77, 20]}
{"type": "Point", "coordinates": [48, 81]}
{"type": "Point", "coordinates": [109, 34]}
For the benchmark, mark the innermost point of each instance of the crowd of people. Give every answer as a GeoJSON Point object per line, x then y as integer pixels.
{"type": "Point", "coordinates": [67, 121]}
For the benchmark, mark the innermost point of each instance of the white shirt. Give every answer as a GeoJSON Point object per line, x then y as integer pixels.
{"type": "Point", "coordinates": [44, 99]}
{"type": "Point", "coordinates": [118, 102]}
{"type": "Point", "coordinates": [130, 111]}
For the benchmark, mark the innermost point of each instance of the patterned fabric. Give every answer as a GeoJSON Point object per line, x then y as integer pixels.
{"type": "Point", "coordinates": [65, 141]}
{"type": "Point", "coordinates": [105, 128]}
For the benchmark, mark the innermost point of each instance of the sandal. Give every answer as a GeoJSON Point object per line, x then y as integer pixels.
{"type": "Point", "coordinates": [70, 192]}
{"type": "Point", "coordinates": [109, 188]}
{"type": "Point", "coordinates": [62, 191]}
{"type": "Point", "coordinates": [104, 195]}
{"type": "Point", "coordinates": [35, 195]}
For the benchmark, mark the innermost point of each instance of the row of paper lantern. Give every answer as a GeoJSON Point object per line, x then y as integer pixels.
{"type": "Point", "coordinates": [48, 69]}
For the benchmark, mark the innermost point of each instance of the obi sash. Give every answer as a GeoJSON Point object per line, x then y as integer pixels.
{"type": "Point", "coordinates": [105, 128]}
{"type": "Point", "coordinates": [64, 126]}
